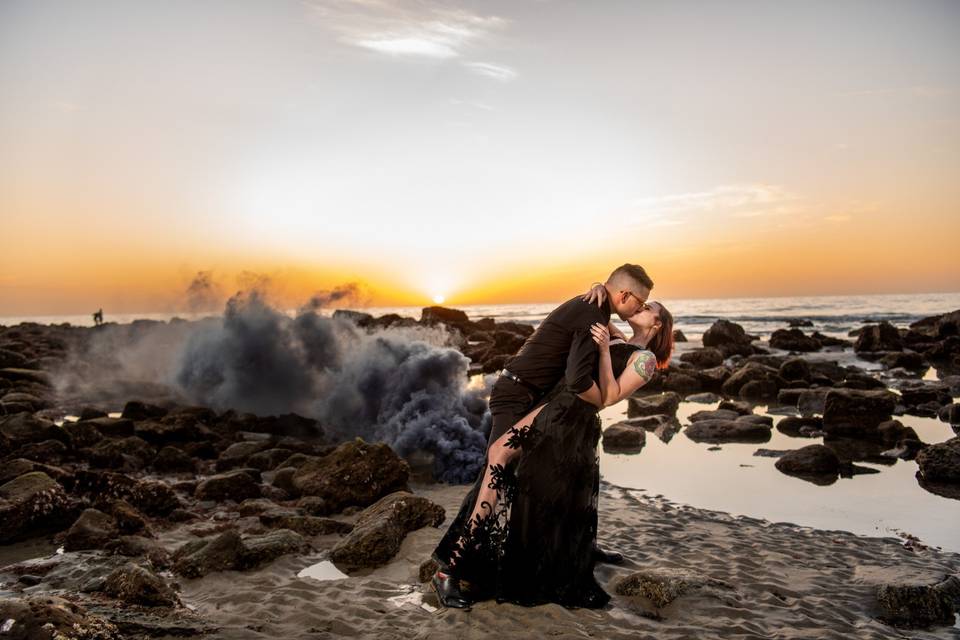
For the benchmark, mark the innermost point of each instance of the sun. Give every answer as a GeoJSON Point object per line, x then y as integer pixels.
{"type": "Point", "coordinates": [438, 299]}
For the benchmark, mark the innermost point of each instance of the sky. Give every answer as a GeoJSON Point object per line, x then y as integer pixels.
{"type": "Point", "coordinates": [482, 152]}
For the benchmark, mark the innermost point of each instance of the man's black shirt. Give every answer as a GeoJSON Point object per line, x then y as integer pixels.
{"type": "Point", "coordinates": [562, 347]}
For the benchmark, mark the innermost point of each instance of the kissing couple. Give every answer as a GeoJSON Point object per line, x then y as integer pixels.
{"type": "Point", "coordinates": [526, 531]}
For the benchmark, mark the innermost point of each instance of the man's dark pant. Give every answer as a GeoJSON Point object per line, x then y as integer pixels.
{"type": "Point", "coordinates": [509, 401]}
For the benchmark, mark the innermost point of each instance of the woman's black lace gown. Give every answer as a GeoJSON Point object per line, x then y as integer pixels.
{"type": "Point", "coordinates": [537, 545]}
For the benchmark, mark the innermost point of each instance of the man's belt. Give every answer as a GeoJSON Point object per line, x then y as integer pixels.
{"type": "Point", "coordinates": [523, 383]}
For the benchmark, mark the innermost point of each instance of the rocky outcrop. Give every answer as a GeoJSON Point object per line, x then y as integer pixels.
{"type": "Point", "coordinates": [918, 605]}
{"type": "Point", "coordinates": [32, 504]}
{"type": "Point", "coordinates": [855, 413]}
{"type": "Point", "coordinates": [661, 404]}
{"type": "Point", "coordinates": [381, 528]}
{"type": "Point", "coordinates": [742, 429]}
{"type": "Point", "coordinates": [624, 436]}
{"type": "Point", "coordinates": [355, 473]}
{"type": "Point", "coordinates": [878, 337]}
{"type": "Point", "coordinates": [940, 463]}
{"type": "Point", "coordinates": [813, 460]}
{"type": "Point", "coordinates": [729, 338]}
{"type": "Point", "coordinates": [134, 584]}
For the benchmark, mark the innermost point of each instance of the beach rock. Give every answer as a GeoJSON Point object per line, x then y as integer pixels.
{"type": "Point", "coordinates": [48, 451]}
{"type": "Point", "coordinates": [128, 519]}
{"type": "Point", "coordinates": [88, 413]}
{"type": "Point", "coordinates": [236, 455]}
{"type": "Point", "coordinates": [729, 338]}
{"type": "Point", "coordinates": [766, 382]}
{"type": "Point", "coordinates": [172, 429]}
{"type": "Point", "coordinates": [30, 505]}
{"type": "Point", "coordinates": [801, 427]}
{"type": "Point", "coordinates": [47, 617]}
{"type": "Point", "coordinates": [743, 408]}
{"type": "Point", "coordinates": [918, 606]}
{"type": "Point", "coordinates": [827, 341]}
{"type": "Point", "coordinates": [133, 584]}
{"type": "Point", "coordinates": [434, 315]}
{"type": "Point", "coordinates": [812, 401]}
{"type": "Point", "coordinates": [715, 414]}
{"type": "Point", "coordinates": [16, 374]}
{"type": "Point", "coordinates": [679, 382]}
{"type": "Point", "coordinates": [950, 413]}
{"type": "Point", "coordinates": [130, 454]}
{"type": "Point", "coordinates": [743, 429]}
{"type": "Point", "coordinates": [793, 340]}
{"type": "Point", "coordinates": [139, 546]}
{"type": "Point", "coordinates": [703, 358]}
{"type": "Point", "coordinates": [812, 460]}
{"type": "Point", "coordinates": [355, 473]}
{"type": "Point", "coordinates": [712, 379]}
{"type": "Point", "coordinates": [23, 428]}
{"type": "Point", "coordinates": [878, 337]}
{"type": "Point", "coordinates": [381, 528]}
{"type": "Point", "coordinates": [703, 398]}
{"type": "Point", "coordinates": [662, 404]}
{"type": "Point", "coordinates": [940, 463]}
{"type": "Point", "coordinates": [237, 485]}
{"type": "Point", "coordinates": [854, 413]}
{"type": "Point", "coordinates": [172, 459]}
{"type": "Point", "coordinates": [200, 557]}
{"type": "Point", "coordinates": [92, 530]}
{"type": "Point", "coordinates": [153, 497]}
{"type": "Point", "coordinates": [136, 410]}
{"type": "Point", "coordinates": [112, 427]}
{"type": "Point", "coordinates": [906, 360]}
{"type": "Point", "coordinates": [795, 369]}
{"type": "Point", "coordinates": [624, 436]}
{"type": "Point", "coordinates": [798, 322]}
{"type": "Point", "coordinates": [664, 585]}
{"type": "Point", "coordinates": [259, 550]}
{"type": "Point", "coordinates": [269, 459]}
{"type": "Point", "coordinates": [304, 525]}
{"type": "Point", "coordinates": [356, 317]}
{"type": "Point", "coordinates": [82, 434]}
{"type": "Point", "coordinates": [678, 336]}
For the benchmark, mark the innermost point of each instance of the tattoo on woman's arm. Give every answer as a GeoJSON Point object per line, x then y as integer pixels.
{"type": "Point", "coordinates": [645, 365]}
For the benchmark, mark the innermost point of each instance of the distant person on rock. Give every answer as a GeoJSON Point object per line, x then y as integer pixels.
{"type": "Point", "coordinates": [98, 317]}
{"type": "Point", "coordinates": [526, 531]}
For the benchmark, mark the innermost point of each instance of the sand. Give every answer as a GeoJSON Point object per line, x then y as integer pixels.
{"type": "Point", "coordinates": [781, 581]}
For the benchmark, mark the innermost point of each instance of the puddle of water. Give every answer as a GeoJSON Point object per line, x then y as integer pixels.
{"type": "Point", "coordinates": [732, 479]}
{"type": "Point", "coordinates": [325, 570]}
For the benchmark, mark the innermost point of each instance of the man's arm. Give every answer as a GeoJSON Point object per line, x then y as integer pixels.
{"type": "Point", "coordinates": [582, 357]}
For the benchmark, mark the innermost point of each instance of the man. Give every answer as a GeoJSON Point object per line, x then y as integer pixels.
{"type": "Point", "coordinates": [561, 347]}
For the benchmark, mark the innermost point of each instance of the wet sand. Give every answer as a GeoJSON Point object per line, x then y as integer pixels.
{"type": "Point", "coordinates": [780, 581]}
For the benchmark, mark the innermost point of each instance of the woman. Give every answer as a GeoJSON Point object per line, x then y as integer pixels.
{"type": "Point", "coordinates": [526, 530]}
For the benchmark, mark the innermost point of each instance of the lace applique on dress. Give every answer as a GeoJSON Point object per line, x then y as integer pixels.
{"type": "Point", "coordinates": [645, 365]}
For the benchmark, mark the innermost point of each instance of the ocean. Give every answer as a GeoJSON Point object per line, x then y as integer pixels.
{"type": "Point", "coordinates": [731, 478]}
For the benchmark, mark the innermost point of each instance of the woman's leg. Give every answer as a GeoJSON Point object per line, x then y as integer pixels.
{"type": "Point", "coordinates": [498, 453]}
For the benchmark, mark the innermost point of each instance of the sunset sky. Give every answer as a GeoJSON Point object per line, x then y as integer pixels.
{"type": "Point", "coordinates": [489, 152]}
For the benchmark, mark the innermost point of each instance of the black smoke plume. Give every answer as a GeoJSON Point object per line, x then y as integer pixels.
{"type": "Point", "coordinates": [402, 386]}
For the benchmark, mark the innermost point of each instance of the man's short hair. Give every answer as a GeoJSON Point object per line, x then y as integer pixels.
{"type": "Point", "coordinates": [634, 272]}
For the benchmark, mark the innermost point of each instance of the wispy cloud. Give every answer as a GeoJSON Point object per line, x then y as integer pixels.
{"type": "Point", "coordinates": [737, 200]}
{"type": "Point", "coordinates": [495, 71]}
{"type": "Point", "coordinates": [410, 29]}
{"type": "Point", "coordinates": [758, 201]}
{"type": "Point", "coordinates": [837, 218]}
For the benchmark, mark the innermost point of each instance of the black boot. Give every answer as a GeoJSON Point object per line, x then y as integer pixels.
{"type": "Point", "coordinates": [607, 557]}
{"type": "Point", "coordinates": [448, 590]}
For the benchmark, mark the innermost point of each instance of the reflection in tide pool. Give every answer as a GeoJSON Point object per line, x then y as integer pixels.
{"type": "Point", "coordinates": [732, 479]}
